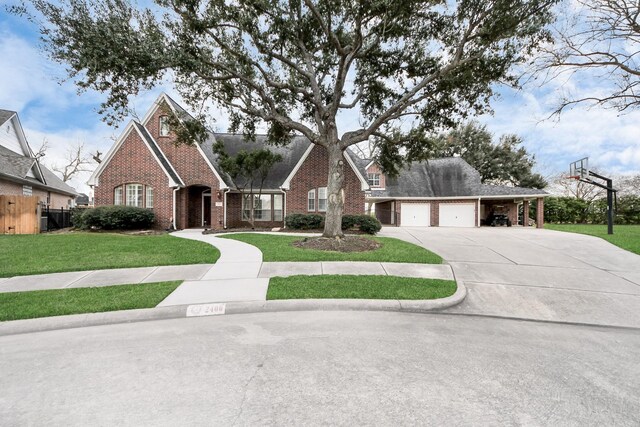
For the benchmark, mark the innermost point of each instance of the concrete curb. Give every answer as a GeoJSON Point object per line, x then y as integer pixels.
{"type": "Point", "coordinates": [44, 324]}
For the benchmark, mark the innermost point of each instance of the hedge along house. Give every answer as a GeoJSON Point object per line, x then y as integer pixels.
{"type": "Point", "coordinates": [445, 192]}
{"type": "Point", "coordinates": [185, 186]}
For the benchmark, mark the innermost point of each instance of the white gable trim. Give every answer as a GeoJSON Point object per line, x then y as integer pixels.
{"type": "Point", "coordinates": [364, 185]}
{"type": "Point", "coordinates": [172, 183]}
{"type": "Point", "coordinates": [372, 162]}
{"type": "Point", "coordinates": [26, 149]}
{"type": "Point", "coordinates": [164, 98]}
{"type": "Point", "coordinates": [286, 185]}
{"type": "Point", "coordinates": [94, 178]}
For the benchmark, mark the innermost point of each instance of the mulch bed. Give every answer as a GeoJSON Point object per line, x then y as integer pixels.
{"type": "Point", "coordinates": [345, 244]}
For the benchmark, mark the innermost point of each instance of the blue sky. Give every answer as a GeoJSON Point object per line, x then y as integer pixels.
{"type": "Point", "coordinates": [31, 84]}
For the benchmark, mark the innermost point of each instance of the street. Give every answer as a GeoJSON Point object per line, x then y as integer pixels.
{"type": "Point", "coordinates": [346, 368]}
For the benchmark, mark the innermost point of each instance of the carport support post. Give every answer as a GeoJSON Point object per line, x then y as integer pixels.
{"type": "Point", "coordinates": [539, 212]}
{"type": "Point", "coordinates": [525, 213]}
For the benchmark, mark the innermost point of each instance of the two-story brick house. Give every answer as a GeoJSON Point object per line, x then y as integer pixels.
{"type": "Point", "coordinates": [185, 186]}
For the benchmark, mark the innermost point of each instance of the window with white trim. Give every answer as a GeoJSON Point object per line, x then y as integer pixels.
{"type": "Point", "coordinates": [374, 179]}
{"type": "Point", "coordinates": [322, 199]}
{"type": "Point", "coordinates": [277, 207]}
{"type": "Point", "coordinates": [164, 126]}
{"type": "Point", "coordinates": [134, 195]}
{"type": "Point", "coordinates": [117, 195]}
{"type": "Point", "coordinates": [311, 201]}
{"type": "Point", "coordinates": [148, 202]}
{"type": "Point", "coordinates": [261, 210]}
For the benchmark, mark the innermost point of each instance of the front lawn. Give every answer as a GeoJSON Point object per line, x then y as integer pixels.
{"type": "Point", "coordinates": [360, 287]}
{"type": "Point", "coordinates": [58, 302]}
{"type": "Point", "coordinates": [280, 248]}
{"type": "Point", "coordinates": [625, 236]}
{"type": "Point", "coordinates": [53, 253]}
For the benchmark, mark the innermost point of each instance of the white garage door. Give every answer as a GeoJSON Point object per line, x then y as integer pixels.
{"type": "Point", "coordinates": [457, 215]}
{"type": "Point", "coordinates": [415, 215]}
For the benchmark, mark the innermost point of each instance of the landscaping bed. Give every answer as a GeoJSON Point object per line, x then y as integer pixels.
{"type": "Point", "coordinates": [346, 244]}
{"type": "Point", "coordinates": [58, 302]}
{"type": "Point", "coordinates": [359, 287]}
{"type": "Point", "coordinates": [625, 236]}
{"type": "Point", "coordinates": [53, 253]}
{"type": "Point", "coordinates": [283, 248]}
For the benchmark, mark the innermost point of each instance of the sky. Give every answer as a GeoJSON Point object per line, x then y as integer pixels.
{"type": "Point", "coordinates": [51, 109]}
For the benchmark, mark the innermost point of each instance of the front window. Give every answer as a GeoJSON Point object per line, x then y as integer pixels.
{"type": "Point", "coordinates": [149, 198]}
{"type": "Point", "coordinates": [261, 207]}
{"type": "Point", "coordinates": [134, 195]}
{"type": "Point", "coordinates": [277, 207]}
{"type": "Point", "coordinates": [374, 179]}
{"type": "Point", "coordinates": [322, 199]}
{"type": "Point", "coordinates": [311, 201]}
{"type": "Point", "coordinates": [117, 196]}
{"type": "Point", "coordinates": [164, 126]}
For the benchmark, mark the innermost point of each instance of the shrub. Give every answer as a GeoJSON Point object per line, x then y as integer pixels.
{"type": "Point", "coordinates": [114, 218]}
{"type": "Point", "coordinates": [367, 224]}
{"type": "Point", "coordinates": [76, 217]}
{"type": "Point", "coordinates": [304, 221]}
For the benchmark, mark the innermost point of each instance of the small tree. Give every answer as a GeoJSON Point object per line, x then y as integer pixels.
{"type": "Point", "coordinates": [404, 68]}
{"type": "Point", "coordinates": [248, 169]}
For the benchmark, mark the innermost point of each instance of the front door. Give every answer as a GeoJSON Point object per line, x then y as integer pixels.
{"type": "Point", "coordinates": [206, 209]}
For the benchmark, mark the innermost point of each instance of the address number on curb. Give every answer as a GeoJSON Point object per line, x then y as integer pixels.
{"type": "Point", "coordinates": [205, 310]}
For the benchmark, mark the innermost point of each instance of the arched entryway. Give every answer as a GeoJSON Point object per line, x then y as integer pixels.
{"type": "Point", "coordinates": [198, 206]}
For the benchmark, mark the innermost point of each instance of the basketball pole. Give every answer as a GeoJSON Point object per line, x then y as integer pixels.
{"type": "Point", "coordinates": [610, 191]}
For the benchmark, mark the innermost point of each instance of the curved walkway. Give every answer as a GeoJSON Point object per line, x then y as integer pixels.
{"type": "Point", "coordinates": [238, 275]}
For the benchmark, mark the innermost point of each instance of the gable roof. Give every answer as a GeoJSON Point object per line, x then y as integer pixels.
{"type": "Point", "coordinates": [445, 177]}
{"type": "Point", "coordinates": [154, 148]}
{"type": "Point", "coordinates": [291, 154]}
{"type": "Point", "coordinates": [159, 155]}
{"type": "Point", "coordinates": [15, 167]}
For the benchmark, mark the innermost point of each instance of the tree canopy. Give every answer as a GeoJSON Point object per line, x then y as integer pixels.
{"type": "Point", "coordinates": [600, 37]}
{"type": "Point", "coordinates": [297, 66]}
{"type": "Point", "coordinates": [504, 161]}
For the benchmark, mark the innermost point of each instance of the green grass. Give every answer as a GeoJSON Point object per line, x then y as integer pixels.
{"type": "Point", "coordinates": [625, 236]}
{"type": "Point", "coordinates": [52, 253]}
{"type": "Point", "coordinates": [359, 287]}
{"type": "Point", "coordinates": [58, 302]}
{"type": "Point", "coordinates": [280, 248]}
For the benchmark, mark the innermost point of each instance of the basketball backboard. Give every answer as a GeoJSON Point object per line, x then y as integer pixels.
{"type": "Point", "coordinates": [579, 169]}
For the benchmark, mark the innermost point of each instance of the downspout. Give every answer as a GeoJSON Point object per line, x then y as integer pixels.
{"type": "Point", "coordinates": [478, 214]}
{"type": "Point", "coordinates": [224, 209]}
{"type": "Point", "coordinates": [175, 190]}
{"type": "Point", "coordinates": [284, 207]}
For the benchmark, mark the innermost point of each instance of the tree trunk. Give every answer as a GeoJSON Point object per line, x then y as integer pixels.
{"type": "Point", "coordinates": [335, 193]}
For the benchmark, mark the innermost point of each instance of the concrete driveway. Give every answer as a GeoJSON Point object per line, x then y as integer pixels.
{"type": "Point", "coordinates": [537, 274]}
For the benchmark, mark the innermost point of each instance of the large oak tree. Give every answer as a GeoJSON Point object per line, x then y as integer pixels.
{"type": "Point", "coordinates": [403, 68]}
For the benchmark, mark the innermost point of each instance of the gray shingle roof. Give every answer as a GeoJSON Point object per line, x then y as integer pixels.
{"type": "Point", "coordinates": [159, 154]}
{"type": "Point", "coordinates": [15, 166]}
{"type": "Point", "coordinates": [5, 115]}
{"type": "Point", "coordinates": [233, 144]}
{"type": "Point", "coordinates": [446, 177]}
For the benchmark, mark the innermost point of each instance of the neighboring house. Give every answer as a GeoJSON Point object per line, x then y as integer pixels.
{"type": "Point", "coordinates": [445, 192]}
{"type": "Point", "coordinates": [185, 186]}
{"type": "Point", "coordinates": [20, 172]}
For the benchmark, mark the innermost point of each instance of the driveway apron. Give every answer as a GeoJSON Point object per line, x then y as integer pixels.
{"type": "Point", "coordinates": [537, 274]}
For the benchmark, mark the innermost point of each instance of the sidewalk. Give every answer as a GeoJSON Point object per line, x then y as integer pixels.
{"type": "Point", "coordinates": [238, 275]}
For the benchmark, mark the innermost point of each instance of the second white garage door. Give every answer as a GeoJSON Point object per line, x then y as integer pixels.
{"type": "Point", "coordinates": [457, 215]}
{"type": "Point", "coordinates": [415, 215]}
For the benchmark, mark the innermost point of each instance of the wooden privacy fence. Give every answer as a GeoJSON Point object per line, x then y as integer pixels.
{"type": "Point", "coordinates": [19, 215]}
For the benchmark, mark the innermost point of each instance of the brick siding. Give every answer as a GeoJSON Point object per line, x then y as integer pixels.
{"type": "Point", "coordinates": [313, 174]}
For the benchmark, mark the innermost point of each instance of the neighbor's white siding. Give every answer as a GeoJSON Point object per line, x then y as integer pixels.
{"type": "Point", "coordinates": [9, 138]}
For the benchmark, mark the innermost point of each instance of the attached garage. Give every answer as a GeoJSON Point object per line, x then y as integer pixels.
{"type": "Point", "coordinates": [457, 214]}
{"type": "Point", "coordinates": [415, 215]}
